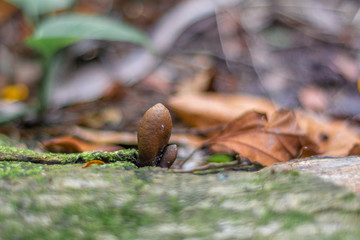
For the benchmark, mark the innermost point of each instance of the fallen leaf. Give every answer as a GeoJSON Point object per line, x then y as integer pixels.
{"type": "Point", "coordinates": [208, 109]}
{"type": "Point", "coordinates": [72, 144]}
{"type": "Point", "coordinates": [198, 83]}
{"type": "Point", "coordinates": [186, 139]}
{"type": "Point", "coordinates": [104, 137]}
{"type": "Point", "coordinates": [16, 92]}
{"type": "Point", "coordinates": [355, 150]}
{"type": "Point", "coordinates": [98, 118]}
{"type": "Point", "coordinates": [6, 11]}
{"type": "Point", "coordinates": [264, 141]}
{"type": "Point", "coordinates": [129, 138]}
{"type": "Point", "coordinates": [334, 138]}
{"type": "Point", "coordinates": [89, 163]}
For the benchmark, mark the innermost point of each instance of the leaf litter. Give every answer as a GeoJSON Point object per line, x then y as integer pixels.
{"type": "Point", "coordinates": [264, 141]}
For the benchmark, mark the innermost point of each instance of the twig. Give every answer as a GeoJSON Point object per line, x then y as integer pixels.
{"type": "Point", "coordinates": [209, 166]}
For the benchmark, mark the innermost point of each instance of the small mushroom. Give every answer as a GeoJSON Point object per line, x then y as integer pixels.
{"type": "Point", "coordinates": [153, 136]}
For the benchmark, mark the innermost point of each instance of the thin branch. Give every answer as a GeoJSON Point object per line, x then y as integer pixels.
{"type": "Point", "coordinates": [208, 167]}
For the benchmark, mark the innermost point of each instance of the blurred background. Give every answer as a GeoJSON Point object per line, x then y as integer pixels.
{"type": "Point", "coordinates": [100, 64]}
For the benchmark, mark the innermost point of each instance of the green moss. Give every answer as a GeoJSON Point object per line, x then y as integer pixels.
{"type": "Point", "coordinates": [120, 165]}
{"type": "Point", "coordinates": [173, 205]}
{"type": "Point", "coordinates": [343, 235]}
{"type": "Point", "coordinates": [19, 154]}
{"type": "Point", "coordinates": [11, 170]}
{"type": "Point", "coordinates": [293, 172]}
{"type": "Point", "coordinates": [85, 221]}
{"type": "Point", "coordinates": [290, 219]}
{"type": "Point", "coordinates": [121, 155]}
{"type": "Point", "coordinates": [349, 197]}
{"type": "Point", "coordinates": [150, 203]}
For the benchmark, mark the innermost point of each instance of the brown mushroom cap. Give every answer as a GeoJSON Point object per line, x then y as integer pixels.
{"type": "Point", "coordinates": [153, 134]}
{"type": "Point", "coordinates": [169, 156]}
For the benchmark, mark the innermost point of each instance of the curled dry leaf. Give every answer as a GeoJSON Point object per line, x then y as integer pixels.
{"type": "Point", "coordinates": [208, 109]}
{"type": "Point", "coordinates": [266, 142]}
{"type": "Point", "coordinates": [89, 163]}
{"type": "Point", "coordinates": [72, 144]}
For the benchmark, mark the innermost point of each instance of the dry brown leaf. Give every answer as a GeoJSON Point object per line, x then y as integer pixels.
{"type": "Point", "coordinates": [72, 144]}
{"type": "Point", "coordinates": [334, 138]}
{"type": "Point", "coordinates": [104, 137]}
{"type": "Point", "coordinates": [198, 83]}
{"type": "Point", "coordinates": [355, 150]}
{"type": "Point", "coordinates": [266, 142]}
{"type": "Point", "coordinates": [98, 118]}
{"type": "Point", "coordinates": [208, 109]}
{"type": "Point", "coordinates": [6, 11]}
{"type": "Point", "coordinates": [186, 139]}
{"type": "Point", "coordinates": [128, 138]}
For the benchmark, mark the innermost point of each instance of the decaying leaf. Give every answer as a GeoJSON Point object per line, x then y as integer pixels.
{"type": "Point", "coordinates": [208, 109]}
{"type": "Point", "coordinates": [72, 144]}
{"type": "Point", "coordinates": [264, 141]}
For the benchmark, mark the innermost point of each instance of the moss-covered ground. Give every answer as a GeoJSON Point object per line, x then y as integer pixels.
{"type": "Point", "coordinates": [120, 201]}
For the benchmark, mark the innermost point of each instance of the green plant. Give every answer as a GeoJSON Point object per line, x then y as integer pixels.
{"type": "Point", "coordinates": [53, 33]}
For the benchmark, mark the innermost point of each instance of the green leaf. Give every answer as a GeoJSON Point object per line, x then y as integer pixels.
{"type": "Point", "coordinates": [59, 31]}
{"type": "Point", "coordinates": [34, 8]}
{"type": "Point", "coordinates": [220, 158]}
{"type": "Point", "coordinates": [49, 46]}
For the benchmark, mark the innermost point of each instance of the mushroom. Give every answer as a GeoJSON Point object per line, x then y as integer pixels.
{"type": "Point", "coordinates": [153, 135]}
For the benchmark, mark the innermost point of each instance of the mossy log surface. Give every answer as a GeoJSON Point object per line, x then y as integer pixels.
{"type": "Point", "coordinates": [120, 201]}
{"type": "Point", "coordinates": [108, 202]}
{"type": "Point", "coordinates": [9, 153]}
